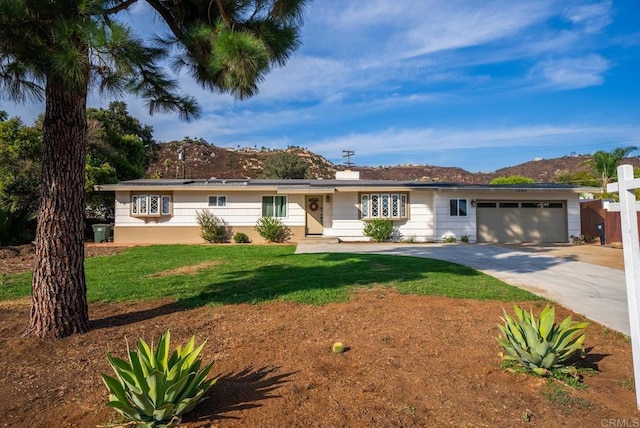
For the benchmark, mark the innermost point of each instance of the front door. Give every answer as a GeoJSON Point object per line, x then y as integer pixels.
{"type": "Point", "coordinates": [314, 215]}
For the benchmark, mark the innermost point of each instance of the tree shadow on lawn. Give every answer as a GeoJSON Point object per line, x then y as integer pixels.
{"type": "Point", "coordinates": [238, 391]}
{"type": "Point", "coordinates": [331, 280]}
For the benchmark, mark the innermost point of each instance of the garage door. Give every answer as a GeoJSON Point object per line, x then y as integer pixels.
{"type": "Point", "coordinates": [521, 221]}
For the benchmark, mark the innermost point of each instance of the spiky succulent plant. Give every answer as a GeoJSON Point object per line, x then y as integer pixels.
{"type": "Point", "coordinates": [155, 388]}
{"type": "Point", "coordinates": [539, 345]}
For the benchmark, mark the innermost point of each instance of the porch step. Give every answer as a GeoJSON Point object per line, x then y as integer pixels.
{"type": "Point", "coordinates": [318, 240]}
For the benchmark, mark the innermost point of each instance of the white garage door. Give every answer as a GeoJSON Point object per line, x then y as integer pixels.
{"type": "Point", "coordinates": [521, 221]}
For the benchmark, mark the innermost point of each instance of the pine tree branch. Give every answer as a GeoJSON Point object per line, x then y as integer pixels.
{"type": "Point", "coordinates": [223, 13]}
{"type": "Point", "coordinates": [168, 18]}
{"type": "Point", "coordinates": [118, 8]}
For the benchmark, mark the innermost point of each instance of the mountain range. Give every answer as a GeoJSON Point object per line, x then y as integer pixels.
{"type": "Point", "coordinates": [203, 160]}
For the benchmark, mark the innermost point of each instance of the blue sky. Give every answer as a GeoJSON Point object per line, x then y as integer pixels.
{"type": "Point", "coordinates": [475, 84]}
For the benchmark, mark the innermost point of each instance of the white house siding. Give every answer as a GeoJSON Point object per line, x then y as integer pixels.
{"type": "Point", "coordinates": [347, 226]}
{"type": "Point", "coordinates": [573, 215]}
{"type": "Point", "coordinates": [456, 226]}
{"type": "Point", "coordinates": [344, 219]}
{"type": "Point", "coordinates": [327, 212]}
{"type": "Point", "coordinates": [422, 220]}
{"type": "Point", "coordinates": [242, 208]}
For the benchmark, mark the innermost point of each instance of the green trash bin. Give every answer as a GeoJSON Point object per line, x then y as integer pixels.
{"type": "Point", "coordinates": [100, 232]}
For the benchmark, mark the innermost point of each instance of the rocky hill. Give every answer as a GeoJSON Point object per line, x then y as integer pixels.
{"type": "Point", "coordinates": [203, 160]}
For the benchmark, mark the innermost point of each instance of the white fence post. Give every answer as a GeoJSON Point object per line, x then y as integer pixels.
{"type": "Point", "coordinates": [625, 187]}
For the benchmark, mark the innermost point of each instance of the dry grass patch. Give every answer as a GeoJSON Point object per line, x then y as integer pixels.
{"type": "Point", "coordinates": [187, 270]}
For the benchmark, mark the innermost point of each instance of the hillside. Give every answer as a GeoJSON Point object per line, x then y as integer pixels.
{"type": "Point", "coordinates": [203, 160]}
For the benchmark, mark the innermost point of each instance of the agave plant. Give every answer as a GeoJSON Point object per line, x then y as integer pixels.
{"type": "Point", "coordinates": [539, 345]}
{"type": "Point", "coordinates": [154, 388]}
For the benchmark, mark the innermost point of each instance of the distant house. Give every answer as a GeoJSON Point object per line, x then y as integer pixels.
{"type": "Point", "coordinates": [164, 211]}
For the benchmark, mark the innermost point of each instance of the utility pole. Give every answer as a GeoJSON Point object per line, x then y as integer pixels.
{"type": "Point", "coordinates": [347, 154]}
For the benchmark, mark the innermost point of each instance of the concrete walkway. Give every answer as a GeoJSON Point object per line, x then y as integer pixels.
{"type": "Point", "coordinates": [597, 292]}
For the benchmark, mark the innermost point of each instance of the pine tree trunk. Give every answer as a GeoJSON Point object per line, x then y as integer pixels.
{"type": "Point", "coordinates": [59, 302]}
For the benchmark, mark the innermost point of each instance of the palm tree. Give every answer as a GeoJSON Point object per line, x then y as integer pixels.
{"type": "Point", "coordinates": [604, 164]}
{"type": "Point", "coordinates": [57, 51]}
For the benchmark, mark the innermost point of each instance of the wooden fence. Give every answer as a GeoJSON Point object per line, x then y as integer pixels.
{"type": "Point", "coordinates": [592, 213]}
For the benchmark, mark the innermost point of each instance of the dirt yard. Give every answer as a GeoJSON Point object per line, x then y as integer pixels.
{"type": "Point", "coordinates": [412, 361]}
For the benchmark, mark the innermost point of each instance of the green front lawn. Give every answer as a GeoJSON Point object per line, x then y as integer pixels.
{"type": "Point", "coordinates": [198, 275]}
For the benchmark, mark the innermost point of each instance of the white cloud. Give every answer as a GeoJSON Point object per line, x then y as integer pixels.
{"type": "Point", "coordinates": [394, 141]}
{"type": "Point", "coordinates": [350, 48]}
{"type": "Point", "coordinates": [228, 128]}
{"type": "Point", "coordinates": [462, 27]}
{"type": "Point", "coordinates": [572, 73]}
{"type": "Point", "coordinates": [306, 77]}
{"type": "Point", "coordinates": [591, 17]}
{"type": "Point", "coordinates": [382, 32]}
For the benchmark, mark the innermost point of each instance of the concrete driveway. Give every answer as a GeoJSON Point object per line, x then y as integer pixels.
{"type": "Point", "coordinates": [595, 291]}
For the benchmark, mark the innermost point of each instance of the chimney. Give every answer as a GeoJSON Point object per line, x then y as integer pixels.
{"type": "Point", "coordinates": [347, 175]}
